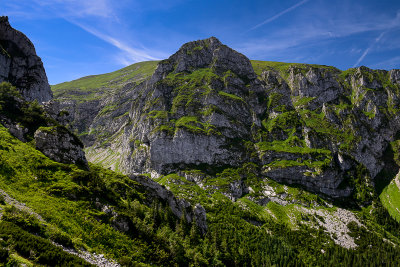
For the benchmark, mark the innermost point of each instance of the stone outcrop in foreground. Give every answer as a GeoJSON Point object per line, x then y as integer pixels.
{"type": "Point", "coordinates": [60, 145]}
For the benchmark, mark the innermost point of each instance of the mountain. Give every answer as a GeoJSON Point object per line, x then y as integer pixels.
{"type": "Point", "coordinates": [218, 161]}
{"type": "Point", "coordinates": [208, 108]}
{"type": "Point", "coordinates": [301, 146]}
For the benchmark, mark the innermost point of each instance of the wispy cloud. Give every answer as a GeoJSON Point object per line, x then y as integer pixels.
{"type": "Point", "coordinates": [395, 23]}
{"type": "Point", "coordinates": [279, 14]}
{"type": "Point", "coordinates": [79, 8]}
{"type": "Point", "coordinates": [62, 8]}
{"type": "Point", "coordinates": [377, 40]}
{"type": "Point", "coordinates": [85, 14]}
{"type": "Point", "coordinates": [324, 33]}
{"type": "Point", "coordinates": [390, 63]}
{"type": "Point", "coordinates": [131, 54]}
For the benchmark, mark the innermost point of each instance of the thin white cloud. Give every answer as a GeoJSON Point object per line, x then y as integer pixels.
{"type": "Point", "coordinates": [130, 53]}
{"type": "Point", "coordinates": [395, 23]}
{"type": "Point", "coordinates": [279, 14]}
{"type": "Point", "coordinates": [85, 14]}
{"type": "Point", "coordinates": [377, 40]}
{"type": "Point", "coordinates": [302, 37]}
{"type": "Point", "coordinates": [79, 8]}
{"type": "Point", "coordinates": [63, 8]}
{"type": "Point", "coordinates": [390, 63]}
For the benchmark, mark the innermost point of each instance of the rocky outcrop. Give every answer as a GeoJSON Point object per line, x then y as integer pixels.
{"type": "Point", "coordinates": [395, 76]}
{"type": "Point", "coordinates": [208, 53]}
{"type": "Point", "coordinates": [319, 84]}
{"type": "Point", "coordinates": [196, 127]}
{"type": "Point", "coordinates": [179, 207]}
{"type": "Point", "coordinates": [60, 145]}
{"type": "Point", "coordinates": [20, 65]}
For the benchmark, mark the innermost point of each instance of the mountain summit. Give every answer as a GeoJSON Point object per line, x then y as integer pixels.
{"type": "Point", "coordinates": [208, 53]}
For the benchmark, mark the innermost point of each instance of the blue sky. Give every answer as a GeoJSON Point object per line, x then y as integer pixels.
{"type": "Point", "coordinates": [77, 38]}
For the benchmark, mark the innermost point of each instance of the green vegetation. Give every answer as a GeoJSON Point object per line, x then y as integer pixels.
{"type": "Point", "coordinates": [321, 126]}
{"type": "Point", "coordinates": [283, 68]}
{"type": "Point", "coordinates": [252, 220]}
{"type": "Point", "coordinates": [188, 89]}
{"type": "Point", "coordinates": [108, 109]}
{"type": "Point", "coordinates": [292, 145]}
{"type": "Point", "coordinates": [230, 96]}
{"type": "Point", "coordinates": [38, 249]}
{"type": "Point", "coordinates": [285, 227]}
{"type": "Point", "coordinates": [390, 198]}
{"type": "Point", "coordinates": [286, 122]}
{"type": "Point", "coordinates": [302, 101]}
{"type": "Point", "coordinates": [318, 165]}
{"type": "Point", "coordinates": [192, 124]}
{"type": "Point", "coordinates": [68, 198]}
{"type": "Point", "coordinates": [4, 52]}
{"type": "Point", "coordinates": [88, 87]}
{"type": "Point", "coordinates": [158, 114]}
{"type": "Point", "coordinates": [28, 115]}
{"type": "Point", "coordinates": [395, 145]}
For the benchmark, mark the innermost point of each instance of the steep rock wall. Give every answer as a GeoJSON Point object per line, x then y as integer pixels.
{"type": "Point", "coordinates": [20, 65]}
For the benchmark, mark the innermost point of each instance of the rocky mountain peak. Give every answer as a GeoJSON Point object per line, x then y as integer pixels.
{"type": "Point", "coordinates": [20, 65]}
{"type": "Point", "coordinates": [207, 53]}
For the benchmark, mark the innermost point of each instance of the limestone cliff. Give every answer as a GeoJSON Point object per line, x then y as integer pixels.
{"type": "Point", "coordinates": [208, 108]}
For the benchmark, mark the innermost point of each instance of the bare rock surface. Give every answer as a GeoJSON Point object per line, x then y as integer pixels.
{"type": "Point", "coordinates": [336, 225]}
{"type": "Point", "coordinates": [20, 65]}
{"type": "Point", "coordinates": [60, 145]}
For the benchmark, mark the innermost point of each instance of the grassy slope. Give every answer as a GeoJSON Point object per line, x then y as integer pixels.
{"type": "Point", "coordinates": [96, 83]}
{"type": "Point", "coordinates": [64, 196]}
{"type": "Point", "coordinates": [142, 70]}
{"type": "Point", "coordinates": [260, 66]}
{"type": "Point", "coordinates": [390, 198]}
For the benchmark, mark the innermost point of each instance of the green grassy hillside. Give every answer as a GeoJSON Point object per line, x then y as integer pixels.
{"type": "Point", "coordinates": [390, 198]}
{"type": "Point", "coordinates": [282, 67]}
{"type": "Point", "coordinates": [90, 85]}
{"type": "Point", "coordinates": [72, 207]}
{"type": "Point", "coordinates": [65, 197]}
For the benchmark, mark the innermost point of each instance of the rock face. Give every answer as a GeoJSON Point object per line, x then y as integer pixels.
{"type": "Point", "coordinates": [22, 68]}
{"type": "Point", "coordinates": [60, 145]}
{"type": "Point", "coordinates": [20, 65]}
{"type": "Point", "coordinates": [202, 123]}
{"type": "Point", "coordinates": [208, 108]}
